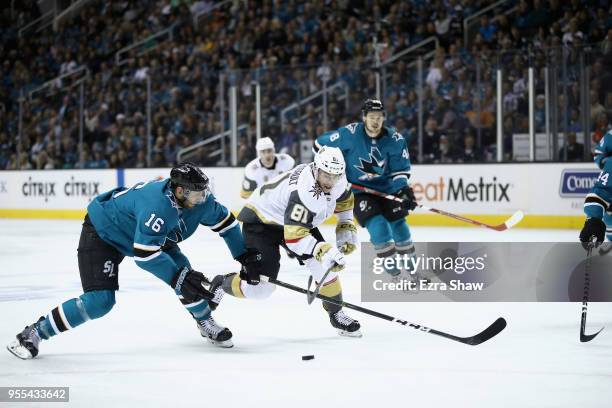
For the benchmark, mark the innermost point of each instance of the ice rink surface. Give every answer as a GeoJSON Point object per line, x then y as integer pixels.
{"type": "Point", "coordinates": [147, 350]}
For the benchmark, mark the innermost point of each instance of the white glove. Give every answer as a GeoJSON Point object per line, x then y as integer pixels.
{"type": "Point", "coordinates": [346, 237]}
{"type": "Point", "coordinates": [329, 256]}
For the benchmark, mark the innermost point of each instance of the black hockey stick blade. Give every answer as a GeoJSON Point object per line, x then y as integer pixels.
{"type": "Point", "coordinates": [584, 338]}
{"type": "Point", "coordinates": [311, 296]}
{"type": "Point", "coordinates": [493, 330]}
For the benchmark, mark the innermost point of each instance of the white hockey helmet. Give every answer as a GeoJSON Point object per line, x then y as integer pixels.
{"type": "Point", "coordinates": [330, 160]}
{"type": "Point", "coordinates": [264, 143]}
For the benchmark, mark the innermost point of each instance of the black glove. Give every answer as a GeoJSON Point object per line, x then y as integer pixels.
{"type": "Point", "coordinates": [406, 194]}
{"type": "Point", "coordinates": [593, 227]}
{"type": "Point", "coordinates": [189, 285]}
{"type": "Point", "coordinates": [251, 266]}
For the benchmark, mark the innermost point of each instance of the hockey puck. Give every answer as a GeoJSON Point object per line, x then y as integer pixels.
{"type": "Point", "coordinates": [309, 357]}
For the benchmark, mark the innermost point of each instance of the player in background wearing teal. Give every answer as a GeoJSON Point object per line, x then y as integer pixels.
{"type": "Point", "coordinates": [377, 157]}
{"type": "Point", "coordinates": [145, 222]}
{"type": "Point", "coordinates": [598, 203]}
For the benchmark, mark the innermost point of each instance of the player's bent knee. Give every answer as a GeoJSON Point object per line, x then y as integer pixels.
{"type": "Point", "coordinates": [97, 303]}
{"type": "Point", "coordinates": [262, 290]}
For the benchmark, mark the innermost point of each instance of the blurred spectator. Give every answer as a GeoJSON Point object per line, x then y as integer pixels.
{"type": "Point", "coordinates": [596, 107]}
{"type": "Point", "coordinates": [445, 152]}
{"type": "Point", "coordinates": [471, 153]}
{"type": "Point", "coordinates": [431, 140]}
{"type": "Point", "coordinates": [572, 151]}
{"type": "Point", "coordinates": [487, 29]}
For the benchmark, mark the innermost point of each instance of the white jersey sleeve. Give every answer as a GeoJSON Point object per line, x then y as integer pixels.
{"type": "Point", "coordinates": [250, 180]}
{"type": "Point", "coordinates": [284, 162]}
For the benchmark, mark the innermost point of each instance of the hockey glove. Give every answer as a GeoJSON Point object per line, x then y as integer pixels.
{"type": "Point", "coordinates": [189, 286]}
{"type": "Point", "coordinates": [346, 237]}
{"type": "Point", "coordinates": [593, 227]}
{"type": "Point", "coordinates": [251, 266]}
{"type": "Point", "coordinates": [407, 195]}
{"type": "Point", "coordinates": [329, 256]}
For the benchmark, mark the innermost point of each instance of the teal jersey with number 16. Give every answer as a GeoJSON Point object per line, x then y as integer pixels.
{"type": "Point", "coordinates": [147, 217]}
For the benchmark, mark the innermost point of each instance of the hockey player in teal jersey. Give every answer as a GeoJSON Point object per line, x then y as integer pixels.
{"type": "Point", "coordinates": [598, 203]}
{"type": "Point", "coordinates": [145, 222]}
{"type": "Point", "coordinates": [377, 157]}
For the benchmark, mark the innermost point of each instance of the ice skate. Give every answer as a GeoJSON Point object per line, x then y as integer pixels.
{"type": "Point", "coordinates": [217, 335]}
{"type": "Point", "coordinates": [25, 346]}
{"type": "Point", "coordinates": [345, 325]}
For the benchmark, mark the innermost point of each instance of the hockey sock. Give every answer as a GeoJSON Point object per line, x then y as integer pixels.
{"type": "Point", "coordinates": [406, 248]}
{"type": "Point", "coordinates": [400, 230]}
{"type": "Point", "coordinates": [332, 289]}
{"type": "Point", "coordinates": [74, 312]}
{"type": "Point", "coordinates": [379, 229]}
{"type": "Point", "coordinates": [200, 310]}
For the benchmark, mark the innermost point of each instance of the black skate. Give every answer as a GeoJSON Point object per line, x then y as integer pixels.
{"type": "Point", "coordinates": [345, 325]}
{"type": "Point", "coordinates": [26, 344]}
{"type": "Point", "coordinates": [217, 335]}
{"type": "Point", "coordinates": [216, 288]}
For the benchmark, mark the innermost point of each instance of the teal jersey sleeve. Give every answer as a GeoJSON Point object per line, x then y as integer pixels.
{"type": "Point", "coordinates": [399, 163]}
{"type": "Point", "coordinates": [223, 222]}
{"type": "Point", "coordinates": [603, 150]}
{"type": "Point", "coordinates": [599, 199]}
{"type": "Point", "coordinates": [152, 227]}
{"type": "Point", "coordinates": [178, 257]}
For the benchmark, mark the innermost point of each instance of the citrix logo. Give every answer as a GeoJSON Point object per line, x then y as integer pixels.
{"type": "Point", "coordinates": [461, 190]}
{"type": "Point", "coordinates": [81, 188]}
{"type": "Point", "coordinates": [38, 189]}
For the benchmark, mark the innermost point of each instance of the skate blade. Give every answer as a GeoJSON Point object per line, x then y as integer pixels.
{"type": "Point", "coordinates": [222, 344]}
{"type": "Point", "coordinates": [19, 351]}
{"type": "Point", "coordinates": [356, 333]}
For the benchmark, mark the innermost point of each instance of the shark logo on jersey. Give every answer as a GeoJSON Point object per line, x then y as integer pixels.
{"type": "Point", "coordinates": [351, 127]}
{"type": "Point", "coordinates": [173, 201]}
{"type": "Point", "coordinates": [374, 167]}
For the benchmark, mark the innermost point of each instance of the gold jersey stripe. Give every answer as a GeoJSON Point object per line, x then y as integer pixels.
{"type": "Point", "coordinates": [259, 215]}
{"type": "Point", "coordinates": [346, 204]}
{"type": "Point", "coordinates": [236, 291]}
{"type": "Point", "coordinates": [295, 232]}
{"type": "Point", "coordinates": [244, 193]}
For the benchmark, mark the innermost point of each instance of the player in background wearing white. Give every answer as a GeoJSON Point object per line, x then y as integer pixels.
{"type": "Point", "coordinates": [285, 212]}
{"type": "Point", "coordinates": [267, 165]}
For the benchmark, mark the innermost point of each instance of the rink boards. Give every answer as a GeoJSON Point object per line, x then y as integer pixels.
{"type": "Point", "coordinates": [550, 194]}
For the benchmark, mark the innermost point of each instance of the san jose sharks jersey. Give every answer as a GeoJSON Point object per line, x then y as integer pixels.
{"type": "Point", "coordinates": [143, 220]}
{"type": "Point", "coordinates": [296, 203]}
{"type": "Point", "coordinates": [599, 199]}
{"type": "Point", "coordinates": [603, 150]}
{"type": "Point", "coordinates": [382, 164]}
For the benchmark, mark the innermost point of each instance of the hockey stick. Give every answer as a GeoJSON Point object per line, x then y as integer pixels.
{"type": "Point", "coordinates": [311, 296]}
{"type": "Point", "coordinates": [509, 223]}
{"type": "Point", "coordinates": [491, 331]}
{"type": "Point", "coordinates": [585, 296]}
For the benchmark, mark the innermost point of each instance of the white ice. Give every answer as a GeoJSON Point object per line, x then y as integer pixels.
{"type": "Point", "coordinates": [147, 350]}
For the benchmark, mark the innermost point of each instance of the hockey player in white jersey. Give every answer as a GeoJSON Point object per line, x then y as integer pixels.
{"type": "Point", "coordinates": [285, 212]}
{"type": "Point", "coordinates": [267, 165]}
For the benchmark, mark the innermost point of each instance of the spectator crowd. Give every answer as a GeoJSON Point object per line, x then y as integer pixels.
{"type": "Point", "coordinates": [293, 49]}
